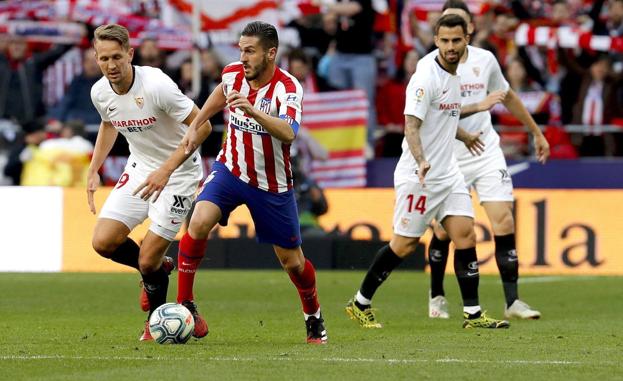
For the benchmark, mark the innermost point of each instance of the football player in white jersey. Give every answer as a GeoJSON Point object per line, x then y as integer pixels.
{"type": "Point", "coordinates": [427, 179]}
{"type": "Point", "coordinates": [160, 178]}
{"type": "Point", "coordinates": [488, 174]}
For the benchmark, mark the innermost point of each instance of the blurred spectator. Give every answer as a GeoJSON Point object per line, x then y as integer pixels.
{"type": "Point", "coordinates": [597, 104]}
{"type": "Point", "coordinates": [211, 68]}
{"type": "Point", "coordinates": [22, 150]}
{"type": "Point", "coordinates": [316, 32]}
{"type": "Point", "coordinates": [390, 104]}
{"type": "Point", "coordinates": [149, 54]}
{"type": "Point", "coordinates": [61, 161]}
{"type": "Point", "coordinates": [76, 104]}
{"type": "Point", "coordinates": [300, 66]}
{"type": "Point", "coordinates": [21, 80]}
{"type": "Point", "coordinates": [185, 78]}
{"type": "Point", "coordinates": [353, 66]}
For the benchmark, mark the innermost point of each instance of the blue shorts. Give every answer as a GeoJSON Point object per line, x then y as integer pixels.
{"type": "Point", "coordinates": [274, 214]}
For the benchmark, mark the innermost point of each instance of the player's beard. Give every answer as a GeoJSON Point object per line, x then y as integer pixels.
{"type": "Point", "coordinates": [257, 70]}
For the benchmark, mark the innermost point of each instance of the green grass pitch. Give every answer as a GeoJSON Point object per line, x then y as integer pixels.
{"type": "Point", "coordinates": [86, 327]}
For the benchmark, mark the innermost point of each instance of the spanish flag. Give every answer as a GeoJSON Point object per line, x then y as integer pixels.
{"type": "Point", "coordinates": [338, 121]}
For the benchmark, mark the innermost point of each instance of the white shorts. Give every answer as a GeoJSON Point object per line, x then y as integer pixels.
{"type": "Point", "coordinates": [489, 177]}
{"type": "Point", "coordinates": [416, 207]}
{"type": "Point", "coordinates": [168, 212]}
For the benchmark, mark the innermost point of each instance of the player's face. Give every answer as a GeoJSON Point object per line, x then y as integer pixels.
{"type": "Point", "coordinates": [114, 61]}
{"type": "Point", "coordinates": [451, 43]}
{"type": "Point", "coordinates": [254, 58]}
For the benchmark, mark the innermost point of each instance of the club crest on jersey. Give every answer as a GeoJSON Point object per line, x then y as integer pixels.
{"type": "Point", "coordinates": [476, 71]}
{"type": "Point", "coordinates": [139, 102]}
{"type": "Point", "coordinates": [265, 105]}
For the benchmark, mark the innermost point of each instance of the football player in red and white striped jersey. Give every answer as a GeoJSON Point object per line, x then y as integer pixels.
{"type": "Point", "coordinates": [253, 168]}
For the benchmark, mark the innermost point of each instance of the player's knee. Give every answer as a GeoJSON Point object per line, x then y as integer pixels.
{"type": "Point", "coordinates": [148, 265]}
{"type": "Point", "coordinates": [441, 234]}
{"type": "Point", "coordinates": [465, 239]}
{"type": "Point", "coordinates": [104, 246]}
{"type": "Point", "coordinates": [198, 229]}
{"type": "Point", "coordinates": [292, 264]}
{"type": "Point", "coordinates": [503, 225]}
{"type": "Point", "coordinates": [404, 248]}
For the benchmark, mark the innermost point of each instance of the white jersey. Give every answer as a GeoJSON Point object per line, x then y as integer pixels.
{"type": "Point", "coordinates": [480, 75]}
{"type": "Point", "coordinates": [150, 117]}
{"type": "Point", "coordinates": [433, 95]}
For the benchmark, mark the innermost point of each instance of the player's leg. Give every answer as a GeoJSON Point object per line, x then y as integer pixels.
{"type": "Point", "coordinates": [415, 207]}
{"type": "Point", "coordinates": [110, 240]}
{"type": "Point", "coordinates": [386, 260]}
{"type": "Point", "coordinates": [438, 251]}
{"type": "Point", "coordinates": [154, 274]}
{"type": "Point", "coordinates": [303, 275]}
{"type": "Point", "coordinates": [216, 200]}
{"type": "Point", "coordinates": [500, 215]}
{"type": "Point", "coordinates": [460, 228]}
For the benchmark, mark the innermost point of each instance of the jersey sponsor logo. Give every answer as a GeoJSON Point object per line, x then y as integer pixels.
{"type": "Point", "coordinates": [111, 109]}
{"type": "Point", "coordinates": [288, 119]}
{"type": "Point", "coordinates": [444, 91]}
{"type": "Point", "coordinates": [265, 105]}
{"type": "Point", "coordinates": [246, 124]}
{"type": "Point", "coordinates": [139, 102]}
{"type": "Point", "coordinates": [469, 89]}
{"type": "Point", "coordinates": [293, 100]}
{"type": "Point", "coordinates": [176, 222]}
{"type": "Point", "coordinates": [135, 125]}
{"type": "Point", "coordinates": [180, 206]}
{"type": "Point", "coordinates": [449, 106]}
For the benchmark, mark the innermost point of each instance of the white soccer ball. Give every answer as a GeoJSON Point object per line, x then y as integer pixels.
{"type": "Point", "coordinates": [171, 323]}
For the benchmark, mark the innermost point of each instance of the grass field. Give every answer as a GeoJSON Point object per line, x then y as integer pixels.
{"type": "Point", "coordinates": [86, 327]}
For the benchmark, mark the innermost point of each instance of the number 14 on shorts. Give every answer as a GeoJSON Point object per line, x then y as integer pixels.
{"type": "Point", "coordinates": [419, 205]}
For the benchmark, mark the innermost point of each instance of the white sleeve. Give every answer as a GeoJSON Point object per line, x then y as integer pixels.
{"type": "Point", "coordinates": [98, 106]}
{"type": "Point", "coordinates": [496, 78]}
{"type": "Point", "coordinates": [168, 97]}
{"type": "Point", "coordinates": [420, 94]}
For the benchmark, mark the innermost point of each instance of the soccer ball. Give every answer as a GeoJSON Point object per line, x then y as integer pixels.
{"type": "Point", "coordinates": [171, 323]}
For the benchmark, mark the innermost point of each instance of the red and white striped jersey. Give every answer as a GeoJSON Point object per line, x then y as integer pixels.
{"type": "Point", "coordinates": [249, 151]}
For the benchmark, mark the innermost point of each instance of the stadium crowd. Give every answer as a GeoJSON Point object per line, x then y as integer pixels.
{"type": "Point", "coordinates": [574, 93]}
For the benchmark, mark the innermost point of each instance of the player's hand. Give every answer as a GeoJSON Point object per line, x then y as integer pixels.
{"type": "Point", "coordinates": [93, 181]}
{"type": "Point", "coordinates": [153, 184]}
{"type": "Point", "coordinates": [190, 141]}
{"type": "Point", "coordinates": [491, 100]}
{"type": "Point", "coordinates": [541, 147]}
{"type": "Point", "coordinates": [423, 168]}
{"type": "Point", "coordinates": [473, 143]}
{"type": "Point", "coordinates": [236, 100]}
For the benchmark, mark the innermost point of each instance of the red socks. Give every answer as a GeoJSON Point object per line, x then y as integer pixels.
{"type": "Point", "coordinates": [305, 283]}
{"type": "Point", "coordinates": [188, 259]}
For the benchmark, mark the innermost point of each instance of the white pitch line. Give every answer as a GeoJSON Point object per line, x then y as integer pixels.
{"type": "Point", "coordinates": [295, 358]}
{"type": "Point", "coordinates": [551, 279]}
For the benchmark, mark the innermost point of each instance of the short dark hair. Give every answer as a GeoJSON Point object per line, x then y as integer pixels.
{"type": "Point", "coordinates": [458, 4]}
{"type": "Point", "coordinates": [264, 31]}
{"type": "Point", "coordinates": [451, 21]}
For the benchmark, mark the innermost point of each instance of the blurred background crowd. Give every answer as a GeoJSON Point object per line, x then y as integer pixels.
{"type": "Point", "coordinates": [563, 57]}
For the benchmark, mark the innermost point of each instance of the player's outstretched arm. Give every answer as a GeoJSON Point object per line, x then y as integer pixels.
{"type": "Point", "coordinates": [515, 106]}
{"type": "Point", "coordinates": [472, 141]}
{"type": "Point", "coordinates": [106, 137]}
{"type": "Point", "coordinates": [276, 127]}
{"type": "Point", "coordinates": [158, 179]}
{"type": "Point", "coordinates": [412, 134]}
{"type": "Point", "coordinates": [486, 104]}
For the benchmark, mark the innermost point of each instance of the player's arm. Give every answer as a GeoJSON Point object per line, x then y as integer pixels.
{"type": "Point", "coordinates": [215, 103]}
{"type": "Point", "coordinates": [282, 129]}
{"type": "Point", "coordinates": [412, 134]}
{"type": "Point", "coordinates": [158, 179]}
{"type": "Point", "coordinates": [106, 137]}
{"type": "Point", "coordinates": [515, 106]}
{"type": "Point", "coordinates": [473, 143]}
{"type": "Point", "coordinates": [486, 104]}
